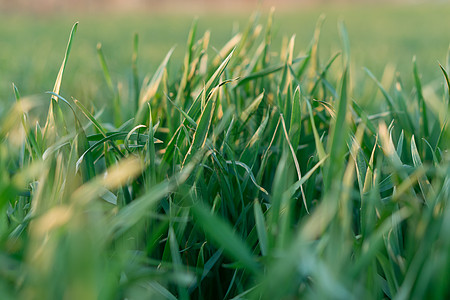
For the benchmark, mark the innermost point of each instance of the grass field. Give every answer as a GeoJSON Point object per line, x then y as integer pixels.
{"type": "Point", "coordinates": [240, 165]}
{"type": "Point", "coordinates": [31, 46]}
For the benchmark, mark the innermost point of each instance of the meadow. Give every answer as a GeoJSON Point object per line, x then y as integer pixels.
{"type": "Point", "coordinates": [289, 156]}
{"type": "Point", "coordinates": [380, 35]}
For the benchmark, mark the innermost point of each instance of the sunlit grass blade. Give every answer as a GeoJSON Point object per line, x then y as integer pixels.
{"type": "Point", "coordinates": [150, 90]}
{"type": "Point", "coordinates": [251, 109]}
{"type": "Point", "coordinates": [54, 116]}
{"type": "Point", "coordinates": [214, 79]}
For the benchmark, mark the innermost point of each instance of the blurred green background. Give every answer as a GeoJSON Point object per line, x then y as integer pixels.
{"type": "Point", "coordinates": [32, 43]}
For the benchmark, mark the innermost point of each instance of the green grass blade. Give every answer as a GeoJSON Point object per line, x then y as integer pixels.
{"type": "Point", "coordinates": [203, 126]}
{"type": "Point", "coordinates": [294, 157]}
{"type": "Point", "coordinates": [55, 117]}
{"type": "Point", "coordinates": [214, 79]}
{"type": "Point", "coordinates": [134, 68]}
{"type": "Point", "coordinates": [251, 109]}
{"type": "Point", "coordinates": [191, 121]}
{"type": "Point", "coordinates": [304, 178]}
{"type": "Point", "coordinates": [58, 81]}
{"type": "Point", "coordinates": [176, 260]}
{"type": "Point", "coordinates": [105, 69]}
{"type": "Point", "coordinates": [338, 136]}
{"type": "Point", "coordinates": [267, 71]}
{"type": "Point", "coordinates": [296, 118]}
{"type": "Point", "coordinates": [249, 172]}
{"type": "Point", "coordinates": [447, 80]}
{"type": "Point", "coordinates": [260, 227]}
{"type": "Point", "coordinates": [388, 98]}
{"type": "Point", "coordinates": [221, 233]}
{"type": "Point", "coordinates": [90, 117]}
{"type": "Point", "coordinates": [345, 42]}
{"type": "Point", "coordinates": [421, 101]}
{"type": "Point", "coordinates": [424, 183]}
{"type": "Point", "coordinates": [319, 146]}
{"type": "Point", "coordinates": [151, 89]}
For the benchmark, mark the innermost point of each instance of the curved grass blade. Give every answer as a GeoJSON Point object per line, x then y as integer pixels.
{"type": "Point", "coordinates": [250, 173]}
{"type": "Point", "coordinates": [447, 80]}
{"type": "Point", "coordinates": [127, 138]}
{"type": "Point", "coordinates": [294, 156]}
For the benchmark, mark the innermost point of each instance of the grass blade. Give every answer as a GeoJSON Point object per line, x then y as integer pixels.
{"type": "Point", "coordinates": [260, 227]}
{"type": "Point", "coordinates": [222, 234]}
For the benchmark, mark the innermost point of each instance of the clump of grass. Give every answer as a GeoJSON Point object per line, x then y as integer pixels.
{"type": "Point", "coordinates": [249, 174]}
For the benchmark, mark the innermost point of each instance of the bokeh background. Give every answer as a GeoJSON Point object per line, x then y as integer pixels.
{"type": "Point", "coordinates": [33, 35]}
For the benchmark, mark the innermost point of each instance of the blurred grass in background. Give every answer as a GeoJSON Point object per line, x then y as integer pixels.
{"type": "Point", "coordinates": [31, 45]}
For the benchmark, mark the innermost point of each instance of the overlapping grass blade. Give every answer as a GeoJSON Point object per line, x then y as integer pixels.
{"type": "Point", "coordinates": [222, 234]}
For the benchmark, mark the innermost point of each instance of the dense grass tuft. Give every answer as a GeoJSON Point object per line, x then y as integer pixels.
{"type": "Point", "coordinates": [248, 174]}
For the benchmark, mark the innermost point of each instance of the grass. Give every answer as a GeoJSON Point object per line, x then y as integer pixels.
{"type": "Point", "coordinates": [379, 35]}
{"type": "Point", "coordinates": [250, 173]}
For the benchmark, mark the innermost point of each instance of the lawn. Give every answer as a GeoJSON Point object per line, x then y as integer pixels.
{"type": "Point", "coordinates": [279, 159]}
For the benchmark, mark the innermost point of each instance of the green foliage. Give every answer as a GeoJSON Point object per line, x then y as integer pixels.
{"type": "Point", "coordinates": [250, 174]}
